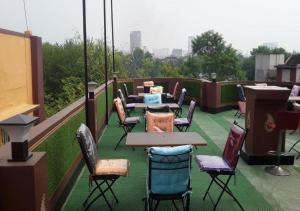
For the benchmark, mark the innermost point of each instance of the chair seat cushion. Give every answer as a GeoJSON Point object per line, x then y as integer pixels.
{"type": "Point", "coordinates": [212, 163]}
{"type": "Point", "coordinates": [181, 121]}
{"type": "Point", "coordinates": [111, 167]}
{"type": "Point", "coordinates": [133, 96]}
{"type": "Point", "coordinates": [130, 105]}
{"type": "Point", "coordinates": [132, 120]}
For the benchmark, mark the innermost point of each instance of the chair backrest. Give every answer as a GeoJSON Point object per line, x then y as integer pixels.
{"type": "Point", "coordinates": [234, 143]}
{"type": "Point", "coordinates": [156, 89]}
{"type": "Point", "coordinates": [191, 111]}
{"type": "Point", "coordinates": [169, 169]}
{"type": "Point", "coordinates": [288, 120]}
{"type": "Point", "coordinates": [241, 92]}
{"type": "Point", "coordinates": [125, 90]}
{"type": "Point", "coordinates": [295, 91]}
{"type": "Point", "coordinates": [121, 96]}
{"type": "Point", "coordinates": [87, 146]}
{"type": "Point", "coordinates": [152, 98]}
{"type": "Point", "coordinates": [147, 85]}
{"type": "Point", "coordinates": [120, 110]}
{"type": "Point", "coordinates": [181, 97]}
{"type": "Point", "coordinates": [160, 122]}
{"type": "Point", "coordinates": [160, 109]}
{"type": "Point", "coordinates": [175, 89]}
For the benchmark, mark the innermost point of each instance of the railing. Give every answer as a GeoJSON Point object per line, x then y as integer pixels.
{"type": "Point", "coordinates": [56, 137]}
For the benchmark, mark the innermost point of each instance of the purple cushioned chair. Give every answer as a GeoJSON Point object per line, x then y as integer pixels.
{"type": "Point", "coordinates": [295, 91]}
{"type": "Point", "coordinates": [217, 166]}
{"type": "Point", "coordinates": [184, 123]}
{"type": "Point", "coordinates": [178, 111]}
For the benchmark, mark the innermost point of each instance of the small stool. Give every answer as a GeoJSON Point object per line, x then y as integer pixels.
{"type": "Point", "coordinates": [285, 120]}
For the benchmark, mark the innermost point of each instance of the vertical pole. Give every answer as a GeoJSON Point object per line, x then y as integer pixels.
{"type": "Point", "coordinates": [85, 64]}
{"type": "Point", "coordinates": [112, 35]}
{"type": "Point", "coordinates": [105, 62]}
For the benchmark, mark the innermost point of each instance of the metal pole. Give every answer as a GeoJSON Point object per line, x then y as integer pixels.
{"type": "Point", "coordinates": [105, 62]}
{"type": "Point", "coordinates": [85, 64]}
{"type": "Point", "coordinates": [112, 35]}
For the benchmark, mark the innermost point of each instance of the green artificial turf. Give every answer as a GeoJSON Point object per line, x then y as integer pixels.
{"type": "Point", "coordinates": [130, 190]}
{"type": "Point", "coordinates": [62, 149]}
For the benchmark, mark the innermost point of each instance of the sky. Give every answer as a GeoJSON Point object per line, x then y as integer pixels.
{"type": "Point", "coordinates": [163, 23]}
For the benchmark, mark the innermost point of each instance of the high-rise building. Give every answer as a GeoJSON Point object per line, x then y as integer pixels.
{"type": "Point", "coordinates": [177, 53]}
{"type": "Point", "coordinates": [161, 53]}
{"type": "Point", "coordinates": [190, 47]}
{"type": "Point", "coordinates": [135, 40]}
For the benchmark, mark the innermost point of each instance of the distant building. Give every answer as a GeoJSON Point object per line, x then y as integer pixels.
{"type": "Point", "coordinates": [290, 70]}
{"type": "Point", "coordinates": [177, 53]}
{"type": "Point", "coordinates": [265, 66]}
{"type": "Point", "coordinates": [135, 40]}
{"type": "Point", "coordinates": [161, 53]}
{"type": "Point", "coordinates": [190, 46]}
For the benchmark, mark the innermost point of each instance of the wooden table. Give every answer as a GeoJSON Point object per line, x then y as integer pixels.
{"type": "Point", "coordinates": [143, 105]}
{"type": "Point", "coordinates": [143, 139]}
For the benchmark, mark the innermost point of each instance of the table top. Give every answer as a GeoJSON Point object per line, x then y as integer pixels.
{"type": "Point", "coordinates": [143, 105]}
{"type": "Point", "coordinates": [294, 98]}
{"type": "Point", "coordinates": [144, 139]}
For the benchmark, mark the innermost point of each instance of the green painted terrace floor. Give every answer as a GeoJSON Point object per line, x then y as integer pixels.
{"type": "Point", "coordinates": [255, 189]}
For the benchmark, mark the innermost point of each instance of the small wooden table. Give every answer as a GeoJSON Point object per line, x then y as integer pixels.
{"type": "Point", "coordinates": [143, 139]}
{"type": "Point", "coordinates": [144, 105]}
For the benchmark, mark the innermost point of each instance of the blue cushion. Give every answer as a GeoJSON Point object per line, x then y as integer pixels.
{"type": "Point", "coordinates": [152, 98]}
{"type": "Point", "coordinates": [169, 169]}
{"type": "Point", "coordinates": [170, 150]}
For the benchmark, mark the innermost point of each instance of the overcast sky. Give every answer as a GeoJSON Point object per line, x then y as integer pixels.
{"type": "Point", "coordinates": [164, 23]}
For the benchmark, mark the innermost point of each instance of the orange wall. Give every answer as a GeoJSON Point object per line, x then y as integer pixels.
{"type": "Point", "coordinates": [15, 71]}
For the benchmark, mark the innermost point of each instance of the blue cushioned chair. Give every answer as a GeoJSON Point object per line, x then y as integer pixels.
{"type": "Point", "coordinates": [168, 176]}
{"type": "Point", "coordinates": [152, 98]}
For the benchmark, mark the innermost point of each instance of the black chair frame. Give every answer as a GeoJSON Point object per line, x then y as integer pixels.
{"type": "Point", "coordinates": [127, 128]}
{"type": "Point", "coordinates": [183, 197]}
{"type": "Point", "coordinates": [293, 148]}
{"type": "Point", "coordinates": [221, 183]}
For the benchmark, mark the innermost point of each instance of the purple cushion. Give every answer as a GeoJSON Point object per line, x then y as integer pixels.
{"type": "Point", "coordinates": [295, 90]}
{"type": "Point", "coordinates": [133, 96]}
{"type": "Point", "coordinates": [130, 105]}
{"type": "Point", "coordinates": [181, 121]}
{"type": "Point", "coordinates": [212, 163]}
{"type": "Point", "coordinates": [134, 119]}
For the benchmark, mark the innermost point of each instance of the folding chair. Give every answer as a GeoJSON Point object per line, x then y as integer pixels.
{"type": "Point", "coordinates": [169, 170]}
{"type": "Point", "coordinates": [178, 111]}
{"type": "Point", "coordinates": [103, 173]}
{"type": "Point", "coordinates": [127, 106]}
{"type": "Point", "coordinates": [147, 85]}
{"type": "Point", "coordinates": [217, 166]}
{"type": "Point", "coordinates": [129, 98]}
{"type": "Point", "coordinates": [127, 123]}
{"type": "Point", "coordinates": [159, 122]}
{"type": "Point", "coordinates": [183, 124]}
{"type": "Point", "coordinates": [241, 101]}
{"type": "Point", "coordinates": [172, 97]}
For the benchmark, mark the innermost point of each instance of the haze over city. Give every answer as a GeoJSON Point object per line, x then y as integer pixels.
{"type": "Point", "coordinates": [164, 24]}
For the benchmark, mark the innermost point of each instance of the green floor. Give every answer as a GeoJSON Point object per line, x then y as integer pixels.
{"type": "Point", "coordinates": [130, 190]}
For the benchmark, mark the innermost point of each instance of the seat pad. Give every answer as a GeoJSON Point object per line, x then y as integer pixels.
{"type": "Point", "coordinates": [133, 96]}
{"type": "Point", "coordinates": [130, 105]}
{"type": "Point", "coordinates": [112, 167]}
{"type": "Point", "coordinates": [181, 121]}
{"type": "Point", "coordinates": [133, 119]}
{"type": "Point", "coordinates": [212, 163]}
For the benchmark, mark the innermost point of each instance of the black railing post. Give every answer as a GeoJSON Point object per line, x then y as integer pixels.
{"type": "Point", "coordinates": [85, 64]}
{"type": "Point", "coordinates": [105, 62]}
{"type": "Point", "coordinates": [112, 35]}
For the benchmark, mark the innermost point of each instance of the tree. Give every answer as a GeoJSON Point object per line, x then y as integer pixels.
{"type": "Point", "coordinates": [215, 56]}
